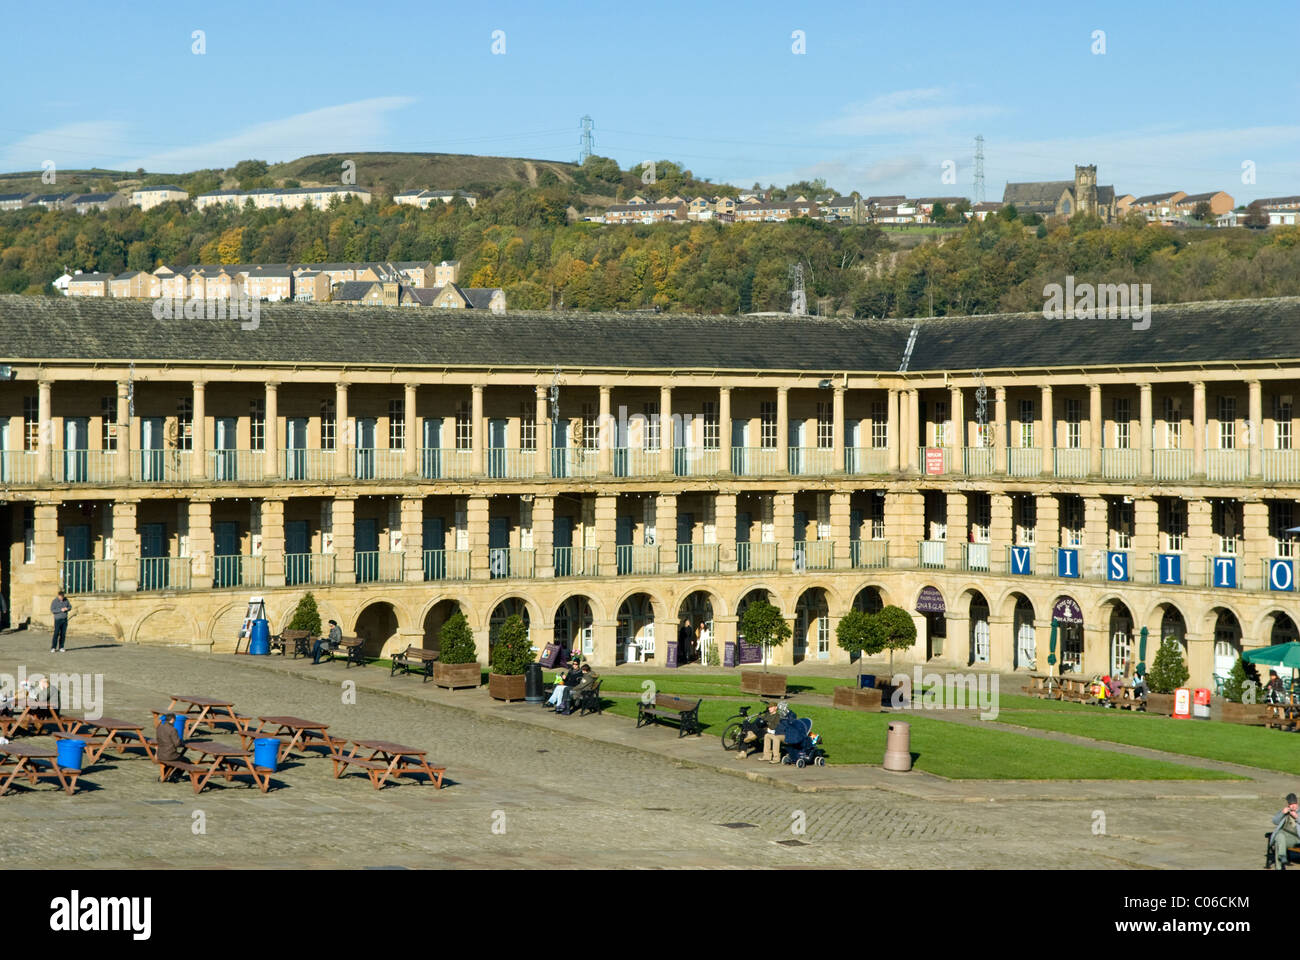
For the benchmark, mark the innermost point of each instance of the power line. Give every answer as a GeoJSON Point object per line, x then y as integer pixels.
{"type": "Point", "coordinates": [979, 168]}
{"type": "Point", "coordinates": [585, 141]}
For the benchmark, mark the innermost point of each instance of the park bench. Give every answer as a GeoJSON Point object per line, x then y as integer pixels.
{"type": "Point", "coordinates": [1043, 687]}
{"type": "Point", "coordinates": [349, 649]}
{"type": "Point", "coordinates": [588, 700]}
{"type": "Point", "coordinates": [1279, 716]}
{"type": "Point", "coordinates": [1129, 700]}
{"type": "Point", "coordinates": [1292, 853]}
{"type": "Point", "coordinates": [669, 707]}
{"type": "Point", "coordinates": [421, 658]}
{"type": "Point", "coordinates": [299, 640]}
{"type": "Point", "coordinates": [192, 770]}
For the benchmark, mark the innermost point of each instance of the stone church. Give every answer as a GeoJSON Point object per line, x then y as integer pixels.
{"type": "Point", "coordinates": [1064, 198]}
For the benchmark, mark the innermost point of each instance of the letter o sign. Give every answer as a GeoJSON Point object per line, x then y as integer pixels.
{"type": "Point", "coordinates": [1281, 575]}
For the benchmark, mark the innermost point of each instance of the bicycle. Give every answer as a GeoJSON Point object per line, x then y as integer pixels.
{"type": "Point", "coordinates": [735, 734]}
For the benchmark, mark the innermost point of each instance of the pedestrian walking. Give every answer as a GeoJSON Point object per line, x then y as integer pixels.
{"type": "Point", "coordinates": [60, 607]}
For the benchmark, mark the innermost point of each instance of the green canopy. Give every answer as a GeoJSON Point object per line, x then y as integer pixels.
{"type": "Point", "coordinates": [1051, 652]}
{"type": "Point", "coordinates": [1142, 655]}
{"type": "Point", "coordinates": [1278, 655]}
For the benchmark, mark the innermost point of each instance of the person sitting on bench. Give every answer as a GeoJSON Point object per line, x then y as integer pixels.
{"type": "Point", "coordinates": [1286, 834]}
{"type": "Point", "coordinates": [1274, 692]}
{"type": "Point", "coordinates": [559, 696]}
{"type": "Point", "coordinates": [330, 643]}
{"type": "Point", "coordinates": [586, 680]}
{"type": "Point", "coordinates": [171, 748]}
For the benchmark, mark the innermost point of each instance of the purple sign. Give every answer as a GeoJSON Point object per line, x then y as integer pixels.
{"type": "Point", "coordinates": [671, 655]}
{"type": "Point", "coordinates": [728, 654]}
{"type": "Point", "coordinates": [750, 652]}
{"type": "Point", "coordinates": [930, 601]}
{"type": "Point", "coordinates": [1067, 612]}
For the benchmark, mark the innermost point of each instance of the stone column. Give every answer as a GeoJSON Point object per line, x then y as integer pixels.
{"type": "Point", "coordinates": [892, 462]}
{"type": "Point", "coordinates": [412, 521]}
{"type": "Point", "coordinates": [477, 430]}
{"type": "Point", "coordinates": [837, 430]}
{"type": "Point", "coordinates": [199, 521]}
{"type": "Point", "coordinates": [1047, 424]}
{"type": "Point", "coordinates": [604, 642]}
{"type": "Point", "coordinates": [1096, 646]}
{"type": "Point", "coordinates": [1146, 525]}
{"type": "Point", "coordinates": [1255, 427]}
{"type": "Point", "coordinates": [666, 532]}
{"type": "Point", "coordinates": [44, 431]}
{"type": "Point", "coordinates": [542, 464]}
{"type": "Point", "coordinates": [958, 530]}
{"type": "Point", "coordinates": [1200, 659]}
{"type": "Point", "coordinates": [1145, 429]}
{"type": "Point", "coordinates": [957, 436]}
{"type": "Point", "coordinates": [1198, 428]}
{"type": "Point", "coordinates": [123, 469]}
{"type": "Point", "coordinates": [45, 541]}
{"type": "Point", "coordinates": [957, 644]}
{"type": "Point", "coordinates": [840, 532]}
{"type": "Point", "coordinates": [724, 430]}
{"type": "Point", "coordinates": [273, 540]}
{"type": "Point", "coordinates": [126, 541]}
{"type": "Point", "coordinates": [606, 522]}
{"type": "Point", "coordinates": [1097, 436]}
{"type": "Point", "coordinates": [343, 521]}
{"type": "Point", "coordinates": [666, 433]}
{"type": "Point", "coordinates": [476, 520]}
{"type": "Point", "coordinates": [1000, 431]}
{"type": "Point", "coordinates": [1002, 643]}
{"type": "Point", "coordinates": [1096, 536]}
{"type": "Point", "coordinates": [1001, 529]}
{"type": "Point", "coordinates": [342, 432]}
{"type": "Point", "coordinates": [782, 430]}
{"type": "Point", "coordinates": [199, 432]}
{"type": "Point", "coordinates": [411, 453]}
{"type": "Point", "coordinates": [271, 432]}
{"type": "Point", "coordinates": [724, 519]}
{"type": "Point", "coordinates": [1047, 535]}
{"type": "Point", "coordinates": [910, 440]}
{"type": "Point", "coordinates": [904, 526]}
{"type": "Point", "coordinates": [783, 529]}
{"type": "Point", "coordinates": [1199, 542]}
{"type": "Point", "coordinates": [606, 435]}
{"type": "Point", "coordinates": [1258, 545]}
{"type": "Point", "coordinates": [544, 535]}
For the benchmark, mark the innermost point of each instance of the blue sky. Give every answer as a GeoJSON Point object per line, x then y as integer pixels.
{"type": "Point", "coordinates": [883, 96]}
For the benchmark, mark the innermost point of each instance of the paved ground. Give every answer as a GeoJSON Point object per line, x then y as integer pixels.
{"type": "Point", "coordinates": [529, 789]}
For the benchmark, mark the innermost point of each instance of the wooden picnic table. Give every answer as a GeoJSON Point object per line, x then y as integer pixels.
{"type": "Point", "coordinates": [34, 714]}
{"type": "Point", "coordinates": [19, 760]}
{"type": "Point", "coordinates": [296, 728]}
{"type": "Point", "coordinates": [203, 711]}
{"type": "Point", "coordinates": [226, 761]}
{"type": "Point", "coordinates": [387, 759]}
{"type": "Point", "coordinates": [112, 730]}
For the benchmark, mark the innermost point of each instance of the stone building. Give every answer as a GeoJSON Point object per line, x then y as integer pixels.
{"type": "Point", "coordinates": [997, 477]}
{"type": "Point", "coordinates": [1064, 198]}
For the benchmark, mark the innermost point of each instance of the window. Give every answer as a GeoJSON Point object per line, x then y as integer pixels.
{"type": "Point", "coordinates": [29, 533]}
{"type": "Point", "coordinates": [1282, 422]}
{"type": "Point", "coordinates": [879, 425]}
{"type": "Point", "coordinates": [1280, 519]}
{"type": "Point", "coordinates": [1072, 423]}
{"type": "Point", "coordinates": [1173, 524]}
{"type": "Point", "coordinates": [590, 427]}
{"type": "Point", "coordinates": [767, 424]}
{"type": "Point", "coordinates": [1026, 423]}
{"type": "Point", "coordinates": [327, 424]}
{"type": "Point", "coordinates": [31, 423]}
{"type": "Point", "coordinates": [396, 424]}
{"type": "Point", "coordinates": [1227, 423]}
{"type": "Point", "coordinates": [981, 512]}
{"type": "Point", "coordinates": [464, 427]}
{"type": "Point", "coordinates": [185, 424]}
{"type": "Point", "coordinates": [1173, 424]}
{"type": "Point", "coordinates": [941, 424]}
{"type": "Point", "coordinates": [1121, 524]}
{"type": "Point", "coordinates": [1026, 516]}
{"type": "Point", "coordinates": [257, 424]}
{"type": "Point", "coordinates": [710, 418]}
{"type": "Point", "coordinates": [823, 636]}
{"type": "Point", "coordinates": [108, 417]}
{"type": "Point", "coordinates": [825, 426]}
{"type": "Point", "coordinates": [1225, 522]}
{"type": "Point", "coordinates": [527, 427]}
{"type": "Point", "coordinates": [1072, 521]}
{"type": "Point", "coordinates": [651, 411]}
{"type": "Point", "coordinates": [1122, 423]}
{"type": "Point", "coordinates": [878, 515]}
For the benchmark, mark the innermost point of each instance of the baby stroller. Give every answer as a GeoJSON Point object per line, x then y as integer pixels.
{"type": "Point", "coordinates": [801, 746]}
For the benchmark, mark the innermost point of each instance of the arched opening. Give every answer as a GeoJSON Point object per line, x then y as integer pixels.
{"type": "Point", "coordinates": [1227, 644]}
{"type": "Point", "coordinates": [636, 630]}
{"type": "Point", "coordinates": [1026, 655]}
{"type": "Point", "coordinates": [1067, 618]}
{"type": "Point", "coordinates": [1121, 640]}
{"type": "Point", "coordinates": [748, 652]}
{"type": "Point", "coordinates": [503, 612]}
{"type": "Point", "coordinates": [438, 614]}
{"type": "Point", "coordinates": [376, 625]}
{"type": "Point", "coordinates": [1172, 625]}
{"type": "Point", "coordinates": [812, 626]}
{"type": "Point", "coordinates": [979, 629]}
{"type": "Point", "coordinates": [1283, 629]}
{"type": "Point", "coordinates": [868, 600]}
{"type": "Point", "coordinates": [695, 633]}
{"type": "Point", "coordinates": [929, 603]}
{"type": "Point", "coordinates": [573, 623]}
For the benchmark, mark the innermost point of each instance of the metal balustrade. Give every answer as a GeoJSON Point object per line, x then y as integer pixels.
{"type": "Point", "coordinates": [1024, 461]}
{"type": "Point", "coordinates": [697, 558]}
{"type": "Point", "coordinates": [309, 568]}
{"type": "Point", "coordinates": [811, 461]}
{"type": "Point", "coordinates": [975, 557]}
{"type": "Point", "coordinates": [814, 555]}
{"type": "Point", "coordinates": [1226, 465]}
{"type": "Point", "coordinates": [88, 576]}
{"type": "Point", "coordinates": [165, 573]}
{"type": "Point", "coordinates": [636, 558]}
{"type": "Point", "coordinates": [940, 455]}
{"type": "Point", "coordinates": [977, 461]}
{"type": "Point", "coordinates": [929, 554]}
{"type": "Point", "coordinates": [574, 462]}
{"type": "Point", "coordinates": [379, 566]}
{"type": "Point", "coordinates": [1121, 464]}
{"type": "Point", "coordinates": [161, 466]}
{"type": "Point", "coordinates": [508, 562]}
{"type": "Point", "coordinates": [696, 461]}
{"type": "Point", "coordinates": [237, 570]}
{"type": "Point", "coordinates": [1171, 464]}
{"type": "Point", "coordinates": [1071, 462]}
{"type": "Point", "coordinates": [577, 561]}
{"type": "Point", "coordinates": [635, 462]}
{"type": "Point", "coordinates": [754, 461]}
{"type": "Point", "coordinates": [303, 464]}
{"type": "Point", "coordinates": [18, 466]}
{"type": "Point", "coordinates": [1281, 466]}
{"type": "Point", "coordinates": [751, 555]}
{"type": "Point", "coordinates": [446, 564]}
{"type": "Point", "coordinates": [84, 466]}
{"type": "Point", "coordinates": [866, 460]}
{"type": "Point", "coordinates": [375, 464]}
{"type": "Point", "coordinates": [248, 466]}
{"type": "Point", "coordinates": [506, 463]}
{"type": "Point", "coordinates": [869, 554]}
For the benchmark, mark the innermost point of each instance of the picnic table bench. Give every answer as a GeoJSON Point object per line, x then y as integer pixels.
{"type": "Point", "coordinates": [100, 734]}
{"type": "Point", "coordinates": [387, 759]}
{"type": "Point", "coordinates": [668, 707]}
{"type": "Point", "coordinates": [204, 711]}
{"type": "Point", "coordinates": [224, 760]}
{"type": "Point", "coordinates": [33, 715]}
{"type": "Point", "coordinates": [1043, 686]}
{"type": "Point", "coordinates": [299, 640]}
{"type": "Point", "coordinates": [20, 759]}
{"type": "Point", "coordinates": [1280, 716]}
{"type": "Point", "coordinates": [349, 648]}
{"type": "Point", "coordinates": [421, 658]}
{"type": "Point", "coordinates": [292, 732]}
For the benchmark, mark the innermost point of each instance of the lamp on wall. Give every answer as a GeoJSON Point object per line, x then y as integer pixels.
{"type": "Point", "coordinates": [825, 384]}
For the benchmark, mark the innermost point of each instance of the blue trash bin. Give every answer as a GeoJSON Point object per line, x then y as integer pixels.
{"type": "Point", "coordinates": [259, 638]}
{"type": "Point", "coordinates": [868, 681]}
{"type": "Point", "coordinates": [179, 723]}
{"type": "Point", "coordinates": [68, 754]}
{"type": "Point", "coordinates": [266, 751]}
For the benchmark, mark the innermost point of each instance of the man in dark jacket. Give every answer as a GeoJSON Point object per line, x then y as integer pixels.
{"type": "Point", "coordinates": [685, 641]}
{"type": "Point", "coordinates": [60, 608]}
{"type": "Point", "coordinates": [171, 747]}
{"type": "Point", "coordinates": [330, 642]}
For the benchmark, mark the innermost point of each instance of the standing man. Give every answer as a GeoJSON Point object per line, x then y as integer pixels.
{"type": "Point", "coordinates": [60, 608]}
{"type": "Point", "coordinates": [684, 637]}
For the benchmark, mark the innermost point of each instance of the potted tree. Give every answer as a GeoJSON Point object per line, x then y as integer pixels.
{"type": "Point", "coordinates": [1241, 694]}
{"type": "Point", "coordinates": [859, 634]}
{"type": "Point", "coordinates": [457, 664]}
{"type": "Point", "coordinates": [1167, 674]}
{"type": "Point", "coordinates": [306, 616]}
{"type": "Point", "coordinates": [897, 632]}
{"type": "Point", "coordinates": [511, 655]}
{"type": "Point", "coordinates": [763, 624]}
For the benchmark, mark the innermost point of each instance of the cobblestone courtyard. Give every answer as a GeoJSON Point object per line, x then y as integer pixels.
{"type": "Point", "coordinates": [568, 792]}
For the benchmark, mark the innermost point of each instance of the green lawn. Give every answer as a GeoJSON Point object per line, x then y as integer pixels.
{"type": "Point", "coordinates": [1233, 742]}
{"type": "Point", "coordinates": [950, 750]}
{"type": "Point", "coordinates": [715, 684]}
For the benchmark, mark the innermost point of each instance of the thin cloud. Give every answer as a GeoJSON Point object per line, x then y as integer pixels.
{"type": "Point", "coordinates": [906, 111]}
{"type": "Point", "coordinates": [73, 145]}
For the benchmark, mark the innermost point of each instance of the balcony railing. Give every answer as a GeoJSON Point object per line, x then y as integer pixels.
{"type": "Point", "coordinates": [246, 465]}
{"type": "Point", "coordinates": [161, 466]}
{"type": "Point", "coordinates": [437, 463]}
{"type": "Point", "coordinates": [577, 561]}
{"type": "Point", "coordinates": [811, 461]}
{"type": "Point", "coordinates": [1120, 464]}
{"type": "Point", "coordinates": [374, 464]}
{"type": "Point", "coordinates": [696, 461]}
{"type": "Point", "coordinates": [379, 566]}
{"type": "Point", "coordinates": [1024, 461]}
{"type": "Point", "coordinates": [814, 555]}
{"type": "Point", "coordinates": [310, 464]}
{"type": "Point", "coordinates": [697, 558]}
{"type": "Point", "coordinates": [930, 554]}
{"type": "Point", "coordinates": [88, 576]}
{"type": "Point", "coordinates": [234, 570]}
{"type": "Point", "coordinates": [635, 462]}
{"type": "Point", "coordinates": [939, 462]}
{"type": "Point", "coordinates": [752, 555]}
{"type": "Point", "coordinates": [84, 466]}
{"type": "Point", "coordinates": [1226, 465]}
{"type": "Point", "coordinates": [446, 564]}
{"type": "Point", "coordinates": [504, 463]}
{"type": "Point", "coordinates": [1281, 466]}
{"type": "Point", "coordinates": [309, 568]}
{"type": "Point", "coordinates": [869, 554]}
{"type": "Point", "coordinates": [164, 573]}
{"type": "Point", "coordinates": [18, 466]}
{"type": "Point", "coordinates": [1071, 461]}
{"type": "Point", "coordinates": [977, 461]}
{"type": "Point", "coordinates": [637, 558]}
{"type": "Point", "coordinates": [506, 562]}
{"type": "Point", "coordinates": [1171, 464]}
{"type": "Point", "coordinates": [862, 460]}
{"type": "Point", "coordinates": [574, 462]}
{"type": "Point", "coordinates": [975, 556]}
{"type": "Point", "coordinates": [754, 461]}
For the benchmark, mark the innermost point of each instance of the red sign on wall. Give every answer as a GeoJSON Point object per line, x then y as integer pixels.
{"type": "Point", "coordinates": [933, 460]}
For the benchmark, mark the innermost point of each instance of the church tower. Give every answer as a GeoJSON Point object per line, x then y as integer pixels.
{"type": "Point", "coordinates": [1085, 189]}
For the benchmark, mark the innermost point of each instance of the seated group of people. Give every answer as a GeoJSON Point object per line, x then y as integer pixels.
{"type": "Point", "coordinates": [768, 724]}
{"type": "Point", "coordinates": [578, 678]}
{"type": "Point", "coordinates": [1109, 691]}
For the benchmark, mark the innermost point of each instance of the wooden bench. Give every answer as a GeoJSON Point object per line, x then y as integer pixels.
{"type": "Point", "coordinates": [299, 640]}
{"type": "Point", "coordinates": [1043, 687]}
{"type": "Point", "coordinates": [349, 649]}
{"type": "Point", "coordinates": [421, 658]}
{"type": "Point", "coordinates": [668, 707]}
{"type": "Point", "coordinates": [1279, 716]}
{"type": "Point", "coordinates": [588, 700]}
{"type": "Point", "coordinates": [1292, 853]}
{"type": "Point", "coordinates": [192, 770]}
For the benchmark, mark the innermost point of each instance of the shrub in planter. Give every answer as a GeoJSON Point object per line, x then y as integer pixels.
{"type": "Point", "coordinates": [859, 633]}
{"type": "Point", "coordinates": [511, 655]}
{"type": "Point", "coordinates": [1168, 672]}
{"type": "Point", "coordinates": [1242, 684]}
{"type": "Point", "coordinates": [457, 664]}
{"type": "Point", "coordinates": [763, 624]}
{"type": "Point", "coordinates": [306, 616]}
{"type": "Point", "coordinates": [896, 629]}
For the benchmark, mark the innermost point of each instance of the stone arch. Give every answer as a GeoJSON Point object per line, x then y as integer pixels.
{"type": "Point", "coordinates": [169, 625]}
{"type": "Point", "coordinates": [744, 596]}
{"type": "Point", "coordinates": [1225, 628]}
{"type": "Point", "coordinates": [225, 624]}
{"type": "Point", "coordinates": [703, 586]}
{"type": "Point", "coordinates": [507, 604]}
{"type": "Point", "coordinates": [434, 615]}
{"type": "Point", "coordinates": [979, 612]}
{"type": "Point", "coordinates": [1122, 636]}
{"type": "Point", "coordinates": [464, 605]}
{"type": "Point", "coordinates": [573, 622]}
{"type": "Point", "coordinates": [1265, 624]}
{"type": "Point", "coordinates": [1018, 608]}
{"type": "Point", "coordinates": [870, 598]}
{"type": "Point", "coordinates": [812, 612]}
{"type": "Point", "coordinates": [598, 611]}
{"type": "Point", "coordinates": [96, 623]}
{"type": "Point", "coordinates": [635, 638]}
{"type": "Point", "coordinates": [376, 624]}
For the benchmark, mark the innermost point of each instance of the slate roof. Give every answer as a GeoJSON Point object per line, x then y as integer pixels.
{"type": "Point", "coordinates": [1198, 197]}
{"type": "Point", "coordinates": [160, 186]}
{"type": "Point", "coordinates": [1040, 191]}
{"type": "Point", "coordinates": [479, 297]}
{"type": "Point", "coordinates": [352, 289]}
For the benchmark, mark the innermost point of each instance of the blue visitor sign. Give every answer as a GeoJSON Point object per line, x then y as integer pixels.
{"type": "Point", "coordinates": [1169, 568]}
{"type": "Point", "coordinates": [1116, 565]}
{"type": "Point", "coordinates": [1281, 574]}
{"type": "Point", "coordinates": [1223, 572]}
{"type": "Point", "coordinates": [1067, 563]}
{"type": "Point", "coordinates": [1020, 560]}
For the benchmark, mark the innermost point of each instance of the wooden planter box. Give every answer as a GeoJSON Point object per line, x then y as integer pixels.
{"type": "Point", "coordinates": [1160, 703]}
{"type": "Point", "coordinates": [453, 675]}
{"type": "Point", "coordinates": [847, 698]}
{"type": "Point", "coordinates": [762, 684]}
{"type": "Point", "coordinates": [506, 686]}
{"type": "Point", "coordinates": [1253, 714]}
